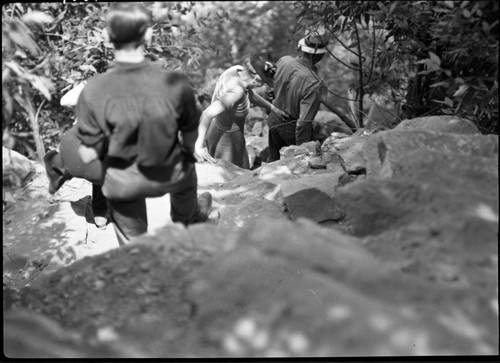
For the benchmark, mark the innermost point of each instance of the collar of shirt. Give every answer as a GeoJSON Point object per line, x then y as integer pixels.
{"type": "Point", "coordinates": [306, 63]}
{"type": "Point", "coordinates": [128, 65]}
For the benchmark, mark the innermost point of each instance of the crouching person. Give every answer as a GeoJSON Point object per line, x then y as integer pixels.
{"type": "Point", "coordinates": [66, 164]}
{"type": "Point", "coordinates": [141, 121]}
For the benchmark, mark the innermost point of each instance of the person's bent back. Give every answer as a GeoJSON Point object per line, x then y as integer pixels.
{"type": "Point", "coordinates": [130, 118]}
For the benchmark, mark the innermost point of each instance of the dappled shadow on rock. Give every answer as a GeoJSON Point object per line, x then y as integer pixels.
{"type": "Point", "coordinates": [415, 272]}
{"type": "Point", "coordinates": [268, 289]}
{"type": "Point", "coordinates": [40, 239]}
{"type": "Point", "coordinates": [296, 290]}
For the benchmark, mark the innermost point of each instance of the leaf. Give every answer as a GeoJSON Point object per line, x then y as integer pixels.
{"type": "Point", "coordinates": [393, 7]}
{"type": "Point", "coordinates": [42, 85]}
{"type": "Point", "coordinates": [88, 67]}
{"type": "Point", "coordinates": [440, 84]}
{"type": "Point", "coordinates": [448, 102]}
{"type": "Point", "coordinates": [37, 17]}
{"type": "Point", "coordinates": [461, 90]}
{"type": "Point", "coordinates": [20, 35]}
{"type": "Point", "coordinates": [435, 58]}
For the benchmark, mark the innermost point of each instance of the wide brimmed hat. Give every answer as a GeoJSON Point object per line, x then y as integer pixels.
{"type": "Point", "coordinates": [313, 43]}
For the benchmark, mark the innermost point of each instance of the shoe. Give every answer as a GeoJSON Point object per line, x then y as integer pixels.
{"type": "Point", "coordinates": [56, 173]}
{"type": "Point", "coordinates": [101, 222]}
{"type": "Point", "coordinates": [205, 206]}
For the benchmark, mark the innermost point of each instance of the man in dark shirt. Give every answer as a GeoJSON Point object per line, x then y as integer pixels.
{"type": "Point", "coordinates": [297, 91]}
{"type": "Point", "coordinates": [142, 122]}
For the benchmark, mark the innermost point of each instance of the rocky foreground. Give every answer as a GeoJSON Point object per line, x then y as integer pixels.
{"type": "Point", "coordinates": [376, 244]}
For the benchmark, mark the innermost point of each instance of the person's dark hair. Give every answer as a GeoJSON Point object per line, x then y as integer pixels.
{"type": "Point", "coordinates": [127, 24]}
{"type": "Point", "coordinates": [263, 63]}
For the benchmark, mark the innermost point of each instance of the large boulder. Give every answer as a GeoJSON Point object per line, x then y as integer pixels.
{"type": "Point", "coordinates": [374, 206]}
{"type": "Point", "coordinates": [295, 290]}
{"type": "Point", "coordinates": [451, 124]}
{"type": "Point", "coordinates": [471, 174]}
{"type": "Point", "coordinates": [347, 150]}
{"type": "Point", "coordinates": [312, 197]}
{"type": "Point", "coordinates": [397, 143]}
{"type": "Point", "coordinates": [35, 336]}
{"type": "Point", "coordinates": [16, 168]}
{"type": "Point", "coordinates": [325, 123]}
{"type": "Point", "coordinates": [423, 178]}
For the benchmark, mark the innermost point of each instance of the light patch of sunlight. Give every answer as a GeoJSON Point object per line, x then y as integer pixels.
{"type": "Point", "coordinates": [486, 212]}
{"type": "Point", "coordinates": [339, 312]}
{"type": "Point", "coordinates": [298, 343]}
{"type": "Point", "coordinates": [454, 121]}
{"type": "Point", "coordinates": [245, 328]}
{"type": "Point", "coordinates": [459, 323]}
{"type": "Point", "coordinates": [271, 196]}
{"type": "Point", "coordinates": [107, 334]}
{"type": "Point", "coordinates": [225, 193]}
{"type": "Point", "coordinates": [260, 340]}
{"type": "Point", "coordinates": [247, 333]}
{"type": "Point", "coordinates": [232, 345]}
{"type": "Point", "coordinates": [271, 175]}
{"type": "Point", "coordinates": [494, 305]}
{"type": "Point", "coordinates": [380, 322]}
{"type": "Point", "coordinates": [238, 220]}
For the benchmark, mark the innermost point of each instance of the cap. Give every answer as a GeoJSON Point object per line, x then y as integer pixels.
{"type": "Point", "coordinates": [313, 43]}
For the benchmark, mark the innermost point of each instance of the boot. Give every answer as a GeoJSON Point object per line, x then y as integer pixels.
{"type": "Point", "coordinates": [55, 170]}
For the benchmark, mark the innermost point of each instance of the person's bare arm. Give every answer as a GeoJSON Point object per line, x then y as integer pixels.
{"type": "Point", "coordinates": [200, 151]}
{"type": "Point", "coordinates": [262, 102]}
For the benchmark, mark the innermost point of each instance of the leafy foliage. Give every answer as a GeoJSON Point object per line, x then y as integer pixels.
{"type": "Point", "coordinates": [455, 44]}
{"type": "Point", "coordinates": [50, 47]}
{"type": "Point", "coordinates": [434, 57]}
{"type": "Point", "coordinates": [442, 56]}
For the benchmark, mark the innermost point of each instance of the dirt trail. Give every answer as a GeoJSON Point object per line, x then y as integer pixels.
{"type": "Point", "coordinates": [43, 233]}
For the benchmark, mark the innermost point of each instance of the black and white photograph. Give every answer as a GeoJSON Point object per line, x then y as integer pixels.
{"type": "Point", "coordinates": [262, 180]}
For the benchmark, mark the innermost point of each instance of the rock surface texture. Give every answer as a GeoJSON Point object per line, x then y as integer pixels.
{"type": "Point", "coordinates": [380, 244]}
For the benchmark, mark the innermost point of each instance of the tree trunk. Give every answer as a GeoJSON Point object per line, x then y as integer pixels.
{"type": "Point", "coordinates": [40, 149]}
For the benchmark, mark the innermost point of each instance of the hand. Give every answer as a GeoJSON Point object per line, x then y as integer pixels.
{"type": "Point", "coordinates": [201, 154]}
{"type": "Point", "coordinates": [280, 113]}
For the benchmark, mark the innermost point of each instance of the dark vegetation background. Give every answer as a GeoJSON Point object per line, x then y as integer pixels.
{"type": "Point", "coordinates": [414, 58]}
